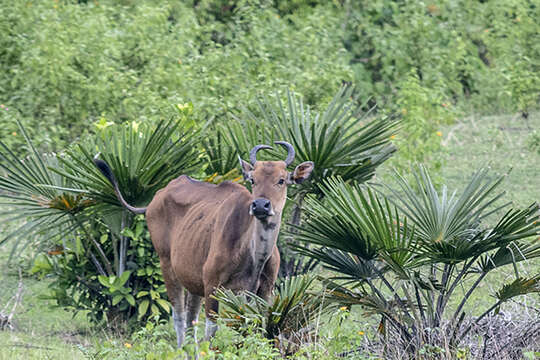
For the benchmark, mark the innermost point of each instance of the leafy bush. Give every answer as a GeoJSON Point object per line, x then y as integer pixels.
{"type": "Point", "coordinates": [287, 319]}
{"type": "Point", "coordinates": [155, 341]}
{"type": "Point", "coordinates": [137, 294]}
{"type": "Point", "coordinates": [100, 255]}
{"type": "Point", "coordinates": [459, 50]}
{"type": "Point", "coordinates": [341, 140]}
{"type": "Point", "coordinates": [480, 56]}
{"type": "Point", "coordinates": [423, 114]}
{"type": "Point", "coordinates": [62, 74]}
{"type": "Point", "coordinates": [406, 261]}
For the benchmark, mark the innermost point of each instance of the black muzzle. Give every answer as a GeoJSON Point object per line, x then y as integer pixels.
{"type": "Point", "coordinates": [261, 208]}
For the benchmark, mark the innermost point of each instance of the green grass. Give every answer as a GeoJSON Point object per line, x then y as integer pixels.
{"type": "Point", "coordinates": [42, 332]}
{"type": "Point", "coordinates": [46, 332]}
{"type": "Point", "coordinates": [503, 143]}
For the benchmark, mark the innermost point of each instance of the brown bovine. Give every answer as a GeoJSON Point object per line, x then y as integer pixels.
{"type": "Point", "coordinates": [209, 235]}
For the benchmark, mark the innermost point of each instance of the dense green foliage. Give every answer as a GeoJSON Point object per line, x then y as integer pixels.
{"type": "Point", "coordinates": [99, 254]}
{"type": "Point", "coordinates": [106, 262]}
{"type": "Point", "coordinates": [66, 63]}
{"type": "Point", "coordinates": [73, 69]}
{"type": "Point", "coordinates": [405, 261]}
{"type": "Point", "coordinates": [341, 139]}
{"type": "Point", "coordinates": [287, 318]}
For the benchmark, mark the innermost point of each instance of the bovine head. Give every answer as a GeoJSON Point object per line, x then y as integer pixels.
{"type": "Point", "coordinates": [269, 180]}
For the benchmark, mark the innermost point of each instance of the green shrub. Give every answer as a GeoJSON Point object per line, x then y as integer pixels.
{"type": "Point", "coordinates": [286, 319]}
{"type": "Point", "coordinates": [406, 261]}
{"type": "Point", "coordinates": [99, 255]}
{"type": "Point", "coordinates": [510, 34]}
{"type": "Point", "coordinates": [424, 112]}
{"type": "Point", "coordinates": [62, 74]}
{"type": "Point", "coordinates": [137, 294]}
{"type": "Point", "coordinates": [156, 341]}
{"type": "Point", "coordinates": [68, 64]}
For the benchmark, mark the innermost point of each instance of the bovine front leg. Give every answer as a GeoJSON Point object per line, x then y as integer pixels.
{"type": "Point", "coordinates": [269, 275]}
{"type": "Point", "coordinates": [193, 306]}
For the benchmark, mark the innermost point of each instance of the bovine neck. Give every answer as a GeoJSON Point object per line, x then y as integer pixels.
{"type": "Point", "coordinates": [263, 240]}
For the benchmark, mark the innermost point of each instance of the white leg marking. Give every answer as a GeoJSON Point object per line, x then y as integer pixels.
{"type": "Point", "coordinates": [209, 329]}
{"type": "Point", "coordinates": [179, 321]}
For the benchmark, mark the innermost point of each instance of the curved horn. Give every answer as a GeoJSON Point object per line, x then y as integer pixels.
{"type": "Point", "coordinates": [253, 153]}
{"type": "Point", "coordinates": [290, 151]}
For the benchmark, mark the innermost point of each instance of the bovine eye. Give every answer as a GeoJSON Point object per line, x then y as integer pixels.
{"type": "Point", "coordinates": [281, 181]}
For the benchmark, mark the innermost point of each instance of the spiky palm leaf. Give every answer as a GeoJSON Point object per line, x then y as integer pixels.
{"type": "Point", "coordinates": [292, 309]}
{"type": "Point", "coordinates": [365, 240]}
{"type": "Point", "coordinates": [143, 158]}
{"type": "Point", "coordinates": [355, 220]}
{"type": "Point", "coordinates": [342, 140]}
{"type": "Point", "coordinates": [221, 157]}
{"type": "Point", "coordinates": [448, 226]}
{"type": "Point", "coordinates": [520, 286]}
{"type": "Point", "coordinates": [510, 254]}
{"type": "Point", "coordinates": [28, 188]}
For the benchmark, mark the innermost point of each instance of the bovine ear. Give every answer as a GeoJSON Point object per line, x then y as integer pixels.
{"type": "Point", "coordinates": [246, 168]}
{"type": "Point", "coordinates": [302, 172]}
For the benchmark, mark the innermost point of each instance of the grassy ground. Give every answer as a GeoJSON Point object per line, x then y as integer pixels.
{"type": "Point", "coordinates": [507, 145]}
{"type": "Point", "coordinates": [502, 142]}
{"type": "Point", "coordinates": [42, 332]}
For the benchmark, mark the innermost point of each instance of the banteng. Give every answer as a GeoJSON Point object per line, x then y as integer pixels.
{"type": "Point", "coordinates": [209, 235]}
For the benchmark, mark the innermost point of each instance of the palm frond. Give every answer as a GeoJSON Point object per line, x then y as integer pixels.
{"type": "Point", "coordinates": [448, 226]}
{"type": "Point", "coordinates": [221, 157]}
{"type": "Point", "coordinates": [509, 254]}
{"type": "Point", "coordinates": [520, 286]}
{"type": "Point", "coordinates": [342, 140]}
{"type": "Point", "coordinates": [32, 191]}
{"type": "Point", "coordinates": [356, 220]}
{"type": "Point", "coordinates": [293, 307]}
{"type": "Point", "coordinates": [350, 267]}
{"type": "Point", "coordinates": [143, 158]}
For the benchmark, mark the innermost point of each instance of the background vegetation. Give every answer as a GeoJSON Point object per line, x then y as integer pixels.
{"type": "Point", "coordinates": [462, 78]}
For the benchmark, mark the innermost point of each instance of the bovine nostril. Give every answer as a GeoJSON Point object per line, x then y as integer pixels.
{"type": "Point", "coordinates": [261, 208]}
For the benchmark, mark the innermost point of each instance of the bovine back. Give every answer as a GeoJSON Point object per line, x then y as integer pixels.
{"type": "Point", "coordinates": [185, 201]}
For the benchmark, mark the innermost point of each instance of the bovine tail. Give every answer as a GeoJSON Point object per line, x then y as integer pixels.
{"type": "Point", "coordinates": [107, 172]}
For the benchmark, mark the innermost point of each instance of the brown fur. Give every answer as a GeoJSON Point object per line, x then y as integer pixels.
{"type": "Point", "coordinates": [206, 237]}
{"type": "Point", "coordinates": [202, 230]}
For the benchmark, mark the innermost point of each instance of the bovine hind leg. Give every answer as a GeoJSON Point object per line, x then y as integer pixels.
{"type": "Point", "coordinates": [193, 306]}
{"type": "Point", "coordinates": [177, 299]}
{"type": "Point", "coordinates": [210, 308]}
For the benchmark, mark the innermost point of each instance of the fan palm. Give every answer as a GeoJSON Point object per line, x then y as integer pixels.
{"type": "Point", "coordinates": [286, 317]}
{"type": "Point", "coordinates": [221, 158]}
{"type": "Point", "coordinates": [341, 140]}
{"type": "Point", "coordinates": [55, 191]}
{"type": "Point", "coordinates": [143, 157]}
{"type": "Point", "coordinates": [33, 195]}
{"type": "Point", "coordinates": [420, 249]}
